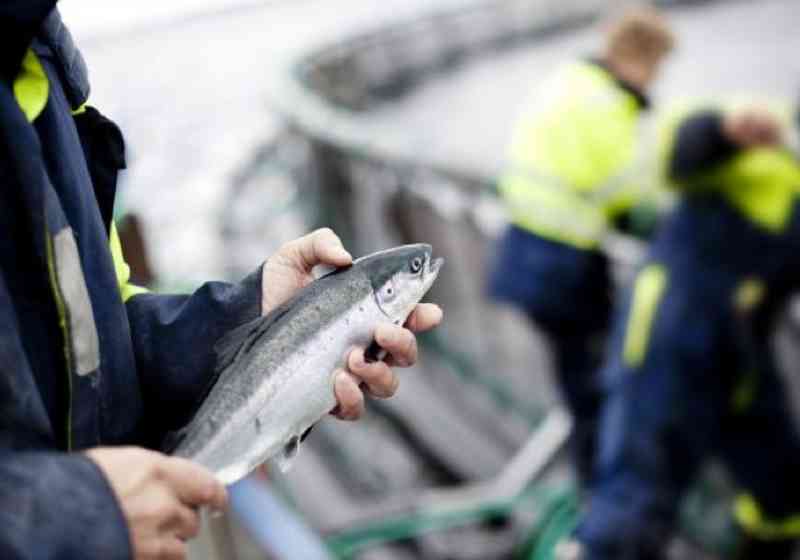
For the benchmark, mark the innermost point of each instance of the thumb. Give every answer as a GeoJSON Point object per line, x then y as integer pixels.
{"type": "Point", "coordinates": [322, 246]}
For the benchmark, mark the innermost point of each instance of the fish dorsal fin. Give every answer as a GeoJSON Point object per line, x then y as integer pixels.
{"type": "Point", "coordinates": [285, 458]}
{"type": "Point", "coordinates": [243, 337]}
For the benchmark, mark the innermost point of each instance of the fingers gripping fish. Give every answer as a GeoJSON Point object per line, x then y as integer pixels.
{"type": "Point", "coordinates": [275, 374]}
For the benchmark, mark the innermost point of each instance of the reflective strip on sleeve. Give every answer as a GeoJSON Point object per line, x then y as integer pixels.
{"type": "Point", "coordinates": [749, 515]}
{"type": "Point", "coordinates": [123, 271]}
{"type": "Point", "coordinates": [648, 290]}
{"type": "Point", "coordinates": [75, 307]}
{"type": "Point", "coordinates": [63, 323]}
{"type": "Point", "coordinates": [628, 181]}
{"type": "Point", "coordinates": [80, 110]}
{"type": "Point", "coordinates": [31, 87]}
{"type": "Point", "coordinates": [548, 208]}
{"type": "Point", "coordinates": [75, 313]}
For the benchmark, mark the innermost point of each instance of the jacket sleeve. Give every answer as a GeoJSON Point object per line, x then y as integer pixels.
{"type": "Point", "coordinates": [20, 21]}
{"type": "Point", "coordinates": [700, 145]}
{"type": "Point", "coordinates": [58, 505]}
{"type": "Point", "coordinates": [52, 505]}
{"type": "Point", "coordinates": [173, 340]}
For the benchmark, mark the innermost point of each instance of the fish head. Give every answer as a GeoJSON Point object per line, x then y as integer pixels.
{"type": "Point", "coordinates": [400, 277]}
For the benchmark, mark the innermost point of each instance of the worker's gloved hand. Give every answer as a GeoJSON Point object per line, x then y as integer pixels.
{"type": "Point", "coordinates": [289, 270]}
{"type": "Point", "coordinates": [159, 497]}
{"type": "Point", "coordinates": [752, 127]}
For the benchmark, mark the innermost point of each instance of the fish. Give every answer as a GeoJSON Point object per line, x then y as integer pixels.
{"type": "Point", "coordinates": [275, 374]}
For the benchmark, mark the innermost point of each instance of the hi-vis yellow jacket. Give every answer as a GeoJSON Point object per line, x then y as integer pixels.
{"type": "Point", "coordinates": [575, 156]}
{"type": "Point", "coordinates": [761, 183]}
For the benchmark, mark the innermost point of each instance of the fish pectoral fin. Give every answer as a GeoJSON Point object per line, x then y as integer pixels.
{"type": "Point", "coordinates": [244, 336]}
{"type": "Point", "coordinates": [227, 347]}
{"type": "Point", "coordinates": [285, 458]}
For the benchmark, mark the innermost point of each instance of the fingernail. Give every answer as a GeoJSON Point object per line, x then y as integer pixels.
{"type": "Point", "coordinates": [216, 513]}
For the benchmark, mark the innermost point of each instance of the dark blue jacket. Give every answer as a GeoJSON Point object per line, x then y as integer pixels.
{"type": "Point", "coordinates": [78, 367]}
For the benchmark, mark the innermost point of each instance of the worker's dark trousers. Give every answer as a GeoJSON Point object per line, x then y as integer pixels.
{"type": "Point", "coordinates": [566, 293]}
{"type": "Point", "coordinates": [706, 387]}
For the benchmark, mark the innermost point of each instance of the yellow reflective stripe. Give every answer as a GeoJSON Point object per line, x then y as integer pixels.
{"type": "Point", "coordinates": [648, 290]}
{"type": "Point", "coordinates": [31, 87]}
{"type": "Point", "coordinates": [123, 271]}
{"type": "Point", "coordinates": [80, 110]}
{"type": "Point", "coordinates": [63, 323]}
{"type": "Point", "coordinates": [745, 392]}
{"type": "Point", "coordinates": [594, 196]}
{"type": "Point", "coordinates": [749, 294]}
{"type": "Point", "coordinates": [749, 515]}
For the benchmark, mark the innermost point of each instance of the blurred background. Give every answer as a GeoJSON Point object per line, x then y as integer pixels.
{"type": "Point", "coordinates": [249, 123]}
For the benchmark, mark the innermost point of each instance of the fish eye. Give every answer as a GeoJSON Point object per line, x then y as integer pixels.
{"type": "Point", "coordinates": [416, 264]}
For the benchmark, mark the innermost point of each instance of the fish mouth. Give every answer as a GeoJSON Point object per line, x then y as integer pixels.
{"type": "Point", "coordinates": [432, 267]}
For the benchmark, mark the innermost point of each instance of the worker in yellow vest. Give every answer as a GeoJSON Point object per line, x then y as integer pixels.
{"type": "Point", "coordinates": [691, 372]}
{"type": "Point", "coordinates": [575, 171]}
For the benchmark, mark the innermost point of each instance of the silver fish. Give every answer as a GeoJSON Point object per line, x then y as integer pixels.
{"type": "Point", "coordinates": [275, 373]}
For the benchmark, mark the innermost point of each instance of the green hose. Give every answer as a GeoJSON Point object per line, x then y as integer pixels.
{"type": "Point", "coordinates": [347, 543]}
{"type": "Point", "coordinates": [561, 521]}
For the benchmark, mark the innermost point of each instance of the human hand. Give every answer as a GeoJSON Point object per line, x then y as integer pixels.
{"type": "Point", "coordinates": [289, 270]}
{"type": "Point", "coordinates": [377, 377]}
{"type": "Point", "coordinates": [752, 127]}
{"type": "Point", "coordinates": [159, 497]}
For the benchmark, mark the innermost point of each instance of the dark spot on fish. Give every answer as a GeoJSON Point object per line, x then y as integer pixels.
{"type": "Point", "coordinates": [361, 308]}
{"type": "Point", "coordinates": [258, 425]}
{"type": "Point", "coordinates": [291, 447]}
{"type": "Point", "coordinates": [397, 322]}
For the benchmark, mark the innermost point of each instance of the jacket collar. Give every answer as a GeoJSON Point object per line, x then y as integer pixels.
{"type": "Point", "coordinates": [640, 96]}
{"type": "Point", "coordinates": [55, 41]}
